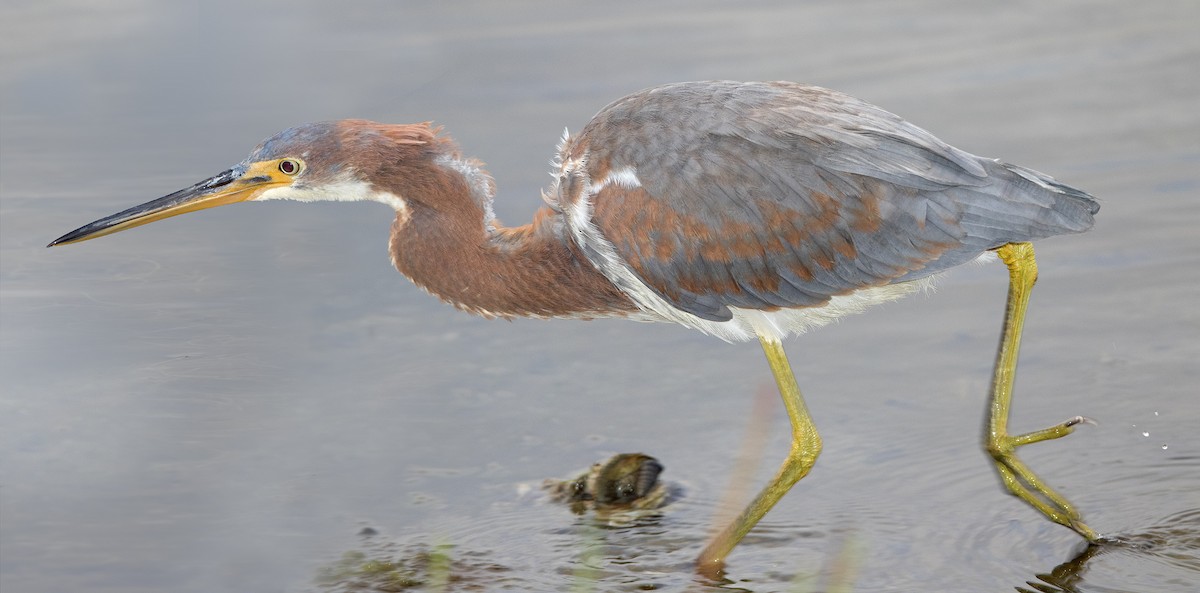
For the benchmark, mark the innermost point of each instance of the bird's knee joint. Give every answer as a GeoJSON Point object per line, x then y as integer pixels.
{"type": "Point", "coordinates": [806, 449]}
{"type": "Point", "coordinates": [1019, 257]}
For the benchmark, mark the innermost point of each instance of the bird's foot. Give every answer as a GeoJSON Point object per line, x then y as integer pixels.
{"type": "Point", "coordinates": [1026, 485]}
{"type": "Point", "coordinates": [1054, 432]}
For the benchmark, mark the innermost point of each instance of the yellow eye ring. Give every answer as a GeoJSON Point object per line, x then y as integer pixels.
{"type": "Point", "coordinates": [291, 167]}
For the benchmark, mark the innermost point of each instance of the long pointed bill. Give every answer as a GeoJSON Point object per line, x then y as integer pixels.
{"type": "Point", "coordinates": [239, 184]}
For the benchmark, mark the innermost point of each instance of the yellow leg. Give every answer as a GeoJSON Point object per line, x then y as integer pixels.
{"type": "Point", "coordinates": [1017, 477]}
{"type": "Point", "coordinates": [806, 445]}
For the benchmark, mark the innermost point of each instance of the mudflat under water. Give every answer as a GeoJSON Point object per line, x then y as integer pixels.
{"type": "Point", "coordinates": [226, 400]}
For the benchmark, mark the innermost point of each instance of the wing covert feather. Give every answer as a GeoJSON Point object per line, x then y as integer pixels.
{"type": "Point", "coordinates": [778, 195]}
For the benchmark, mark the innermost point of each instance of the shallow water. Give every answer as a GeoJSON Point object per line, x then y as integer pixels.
{"type": "Point", "coordinates": [223, 401]}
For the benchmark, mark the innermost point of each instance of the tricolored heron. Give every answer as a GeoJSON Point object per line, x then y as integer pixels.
{"type": "Point", "coordinates": [743, 210]}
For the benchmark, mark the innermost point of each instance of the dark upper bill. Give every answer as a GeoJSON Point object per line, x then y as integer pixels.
{"type": "Point", "coordinates": [238, 184]}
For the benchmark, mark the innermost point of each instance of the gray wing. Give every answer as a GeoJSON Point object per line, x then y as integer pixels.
{"type": "Point", "coordinates": [776, 195]}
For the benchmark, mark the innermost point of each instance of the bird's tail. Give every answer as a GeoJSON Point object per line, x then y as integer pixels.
{"type": "Point", "coordinates": [1071, 209]}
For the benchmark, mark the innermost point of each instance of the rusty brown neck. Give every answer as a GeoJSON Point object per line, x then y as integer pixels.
{"type": "Point", "coordinates": [443, 244]}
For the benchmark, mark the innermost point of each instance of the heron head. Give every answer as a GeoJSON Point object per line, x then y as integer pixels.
{"type": "Point", "coordinates": [334, 160]}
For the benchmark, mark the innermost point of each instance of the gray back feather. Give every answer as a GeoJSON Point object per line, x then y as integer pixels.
{"type": "Point", "coordinates": [769, 195]}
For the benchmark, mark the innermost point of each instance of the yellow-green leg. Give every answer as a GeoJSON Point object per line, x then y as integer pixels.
{"type": "Point", "coordinates": [1017, 477]}
{"type": "Point", "coordinates": [806, 445]}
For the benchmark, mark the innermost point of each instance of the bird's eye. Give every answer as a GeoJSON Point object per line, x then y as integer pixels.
{"type": "Point", "coordinates": [289, 166]}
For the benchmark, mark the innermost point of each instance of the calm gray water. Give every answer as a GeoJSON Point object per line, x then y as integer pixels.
{"type": "Point", "coordinates": [222, 401]}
